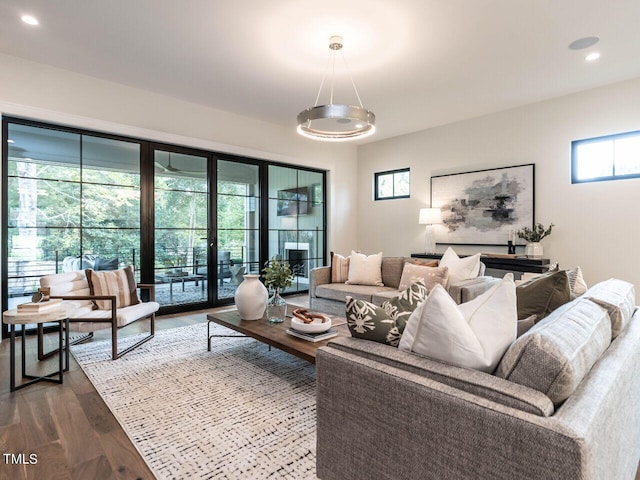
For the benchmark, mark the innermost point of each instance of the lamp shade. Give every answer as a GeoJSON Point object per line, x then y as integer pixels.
{"type": "Point", "coordinates": [430, 216]}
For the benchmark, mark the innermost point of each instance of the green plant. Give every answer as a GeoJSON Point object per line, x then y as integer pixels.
{"type": "Point", "coordinates": [277, 274]}
{"type": "Point", "coordinates": [536, 234]}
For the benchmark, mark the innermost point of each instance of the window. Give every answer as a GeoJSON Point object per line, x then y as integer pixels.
{"type": "Point", "coordinates": [606, 158]}
{"type": "Point", "coordinates": [392, 184]}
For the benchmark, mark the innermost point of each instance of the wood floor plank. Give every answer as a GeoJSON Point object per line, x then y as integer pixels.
{"type": "Point", "coordinates": [74, 429]}
{"type": "Point", "coordinates": [98, 414]}
{"type": "Point", "coordinates": [124, 459]}
{"type": "Point", "coordinates": [51, 464]}
{"type": "Point", "coordinates": [97, 468]}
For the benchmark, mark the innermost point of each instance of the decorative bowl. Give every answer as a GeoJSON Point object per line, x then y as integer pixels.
{"type": "Point", "coordinates": [317, 326]}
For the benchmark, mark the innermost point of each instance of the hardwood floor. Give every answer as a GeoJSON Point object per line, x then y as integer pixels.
{"type": "Point", "coordinates": [67, 431]}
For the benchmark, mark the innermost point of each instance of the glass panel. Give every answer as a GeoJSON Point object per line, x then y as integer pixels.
{"type": "Point", "coordinates": [238, 218]}
{"type": "Point", "coordinates": [110, 206]}
{"type": "Point", "coordinates": [114, 248]}
{"type": "Point", "coordinates": [385, 186]}
{"type": "Point", "coordinates": [627, 155]}
{"type": "Point", "coordinates": [43, 203]}
{"type": "Point", "coordinates": [401, 184]}
{"type": "Point", "coordinates": [594, 160]}
{"type": "Point", "coordinates": [181, 219]}
{"type": "Point", "coordinates": [43, 153]}
{"type": "Point", "coordinates": [110, 161]}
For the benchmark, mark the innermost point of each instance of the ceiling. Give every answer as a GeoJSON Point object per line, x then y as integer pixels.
{"type": "Point", "coordinates": [417, 63]}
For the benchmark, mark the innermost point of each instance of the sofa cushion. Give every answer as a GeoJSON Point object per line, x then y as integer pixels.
{"type": "Point", "coordinates": [618, 298]}
{"type": "Point", "coordinates": [386, 323]}
{"type": "Point", "coordinates": [460, 268]}
{"type": "Point", "coordinates": [392, 271]}
{"type": "Point", "coordinates": [339, 268]}
{"type": "Point", "coordinates": [542, 295]}
{"type": "Point", "coordinates": [365, 270]}
{"type": "Point", "coordinates": [339, 291]}
{"type": "Point", "coordinates": [556, 353]}
{"type": "Point", "coordinates": [474, 334]}
{"type": "Point", "coordinates": [120, 283]}
{"type": "Point", "coordinates": [431, 276]}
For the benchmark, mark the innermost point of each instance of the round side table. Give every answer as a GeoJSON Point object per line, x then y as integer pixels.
{"type": "Point", "coordinates": [59, 315]}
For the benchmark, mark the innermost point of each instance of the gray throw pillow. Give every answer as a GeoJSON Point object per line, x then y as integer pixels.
{"type": "Point", "coordinates": [385, 323]}
{"type": "Point", "coordinates": [542, 295]}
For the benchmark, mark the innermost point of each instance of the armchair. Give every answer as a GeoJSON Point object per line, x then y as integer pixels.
{"type": "Point", "coordinates": [73, 287]}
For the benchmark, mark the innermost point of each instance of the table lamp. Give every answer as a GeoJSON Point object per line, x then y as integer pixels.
{"type": "Point", "coordinates": [429, 217]}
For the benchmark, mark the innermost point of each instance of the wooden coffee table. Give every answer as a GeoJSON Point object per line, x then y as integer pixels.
{"type": "Point", "coordinates": [273, 334]}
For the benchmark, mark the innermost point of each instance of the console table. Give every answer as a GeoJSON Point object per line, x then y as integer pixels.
{"type": "Point", "coordinates": [516, 263]}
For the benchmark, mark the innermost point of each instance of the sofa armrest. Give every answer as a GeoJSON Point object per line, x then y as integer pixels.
{"type": "Point", "coordinates": [318, 276]}
{"type": "Point", "coordinates": [379, 421]}
{"type": "Point", "coordinates": [467, 290]}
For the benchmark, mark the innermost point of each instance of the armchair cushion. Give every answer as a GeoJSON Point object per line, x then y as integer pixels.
{"type": "Point", "coordinates": [119, 283]}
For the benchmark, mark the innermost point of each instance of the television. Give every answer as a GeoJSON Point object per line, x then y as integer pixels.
{"type": "Point", "coordinates": [293, 201]}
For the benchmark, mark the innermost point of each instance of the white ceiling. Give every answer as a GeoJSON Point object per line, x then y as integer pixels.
{"type": "Point", "coordinates": [416, 63]}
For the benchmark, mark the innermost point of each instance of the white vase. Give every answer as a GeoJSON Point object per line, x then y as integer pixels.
{"type": "Point", "coordinates": [534, 249]}
{"type": "Point", "coordinates": [251, 298]}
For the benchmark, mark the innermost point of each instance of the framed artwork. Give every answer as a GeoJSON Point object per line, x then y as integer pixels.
{"type": "Point", "coordinates": [483, 206]}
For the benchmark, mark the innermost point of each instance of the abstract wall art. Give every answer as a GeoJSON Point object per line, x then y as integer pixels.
{"type": "Point", "coordinates": [483, 206]}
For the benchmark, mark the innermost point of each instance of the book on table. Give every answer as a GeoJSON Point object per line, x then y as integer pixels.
{"type": "Point", "coordinates": [313, 337]}
{"type": "Point", "coordinates": [41, 306]}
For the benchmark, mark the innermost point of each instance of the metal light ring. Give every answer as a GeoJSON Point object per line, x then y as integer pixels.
{"type": "Point", "coordinates": [336, 111]}
{"type": "Point", "coordinates": [314, 134]}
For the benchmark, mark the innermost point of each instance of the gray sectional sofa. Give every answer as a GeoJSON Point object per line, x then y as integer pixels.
{"type": "Point", "coordinates": [328, 297]}
{"type": "Point", "coordinates": [562, 404]}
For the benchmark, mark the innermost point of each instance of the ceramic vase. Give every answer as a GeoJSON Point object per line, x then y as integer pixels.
{"type": "Point", "coordinates": [251, 298]}
{"type": "Point", "coordinates": [276, 308]}
{"type": "Point", "coordinates": [534, 249]}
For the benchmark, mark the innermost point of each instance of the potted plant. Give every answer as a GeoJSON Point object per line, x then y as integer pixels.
{"type": "Point", "coordinates": [277, 275]}
{"type": "Point", "coordinates": [533, 237]}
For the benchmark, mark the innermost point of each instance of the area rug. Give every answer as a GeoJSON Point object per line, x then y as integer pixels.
{"type": "Point", "coordinates": [240, 411]}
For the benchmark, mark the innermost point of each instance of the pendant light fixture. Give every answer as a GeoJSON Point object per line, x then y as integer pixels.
{"type": "Point", "coordinates": [336, 122]}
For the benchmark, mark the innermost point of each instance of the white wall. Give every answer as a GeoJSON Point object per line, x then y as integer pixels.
{"type": "Point", "coordinates": [42, 92]}
{"type": "Point", "coordinates": [597, 223]}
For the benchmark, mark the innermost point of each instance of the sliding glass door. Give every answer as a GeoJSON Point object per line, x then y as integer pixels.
{"type": "Point", "coordinates": [238, 224]}
{"type": "Point", "coordinates": [181, 217]}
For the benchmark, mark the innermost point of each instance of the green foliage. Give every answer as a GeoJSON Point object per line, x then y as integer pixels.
{"type": "Point", "coordinates": [535, 235]}
{"type": "Point", "coordinates": [277, 274]}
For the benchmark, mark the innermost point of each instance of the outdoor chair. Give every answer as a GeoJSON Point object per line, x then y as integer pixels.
{"type": "Point", "coordinates": [74, 287]}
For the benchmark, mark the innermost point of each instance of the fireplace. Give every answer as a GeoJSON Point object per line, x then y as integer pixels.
{"type": "Point", "coordinates": [297, 254]}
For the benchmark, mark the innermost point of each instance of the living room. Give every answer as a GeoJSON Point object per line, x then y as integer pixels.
{"type": "Point", "coordinates": [594, 221]}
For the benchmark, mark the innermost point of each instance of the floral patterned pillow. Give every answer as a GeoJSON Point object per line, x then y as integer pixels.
{"type": "Point", "coordinates": [385, 323]}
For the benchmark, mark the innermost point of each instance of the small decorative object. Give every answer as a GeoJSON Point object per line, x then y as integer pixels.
{"type": "Point", "coordinates": [511, 243]}
{"type": "Point", "coordinates": [304, 321]}
{"type": "Point", "coordinates": [251, 298]}
{"type": "Point", "coordinates": [277, 275]}
{"type": "Point", "coordinates": [533, 237]}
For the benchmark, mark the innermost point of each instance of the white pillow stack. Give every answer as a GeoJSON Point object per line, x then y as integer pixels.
{"type": "Point", "coordinates": [475, 334]}
{"type": "Point", "coordinates": [460, 268]}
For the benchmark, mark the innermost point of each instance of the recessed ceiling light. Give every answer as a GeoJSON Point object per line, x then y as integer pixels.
{"type": "Point", "coordinates": [584, 42]}
{"type": "Point", "coordinates": [10, 141]}
{"type": "Point", "coordinates": [29, 20]}
{"type": "Point", "coordinates": [592, 56]}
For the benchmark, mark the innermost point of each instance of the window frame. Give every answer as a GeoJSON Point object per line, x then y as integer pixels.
{"type": "Point", "coordinates": [574, 160]}
{"type": "Point", "coordinates": [376, 175]}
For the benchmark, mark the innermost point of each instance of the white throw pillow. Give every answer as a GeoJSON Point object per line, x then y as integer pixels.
{"type": "Point", "coordinates": [460, 268]}
{"type": "Point", "coordinates": [365, 270]}
{"type": "Point", "coordinates": [475, 334]}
